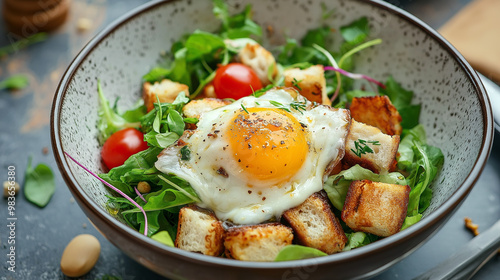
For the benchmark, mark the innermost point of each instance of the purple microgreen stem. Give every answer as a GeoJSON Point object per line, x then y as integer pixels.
{"type": "Point", "coordinates": [355, 76]}
{"type": "Point", "coordinates": [116, 190]}
{"type": "Point", "coordinates": [334, 64]}
{"type": "Point", "coordinates": [139, 194]}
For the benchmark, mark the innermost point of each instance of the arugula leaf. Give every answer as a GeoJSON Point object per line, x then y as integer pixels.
{"type": "Point", "coordinates": [428, 161]}
{"type": "Point", "coordinates": [39, 185]}
{"type": "Point", "coordinates": [401, 99]}
{"type": "Point", "coordinates": [164, 124]}
{"type": "Point", "coordinates": [163, 237]}
{"type": "Point", "coordinates": [109, 120]}
{"type": "Point", "coordinates": [156, 74]}
{"type": "Point", "coordinates": [138, 167]}
{"type": "Point", "coordinates": [337, 185]}
{"type": "Point", "coordinates": [316, 36]}
{"type": "Point", "coordinates": [298, 252]}
{"type": "Point", "coordinates": [237, 26]}
{"type": "Point", "coordinates": [358, 239]}
{"type": "Point", "coordinates": [411, 220]}
{"type": "Point", "coordinates": [200, 44]}
{"type": "Point", "coordinates": [356, 32]}
{"type": "Point", "coordinates": [15, 82]}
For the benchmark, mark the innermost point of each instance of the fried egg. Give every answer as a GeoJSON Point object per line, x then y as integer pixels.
{"type": "Point", "coordinates": [259, 156]}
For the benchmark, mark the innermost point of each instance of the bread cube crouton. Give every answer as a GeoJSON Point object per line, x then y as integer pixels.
{"type": "Point", "coordinates": [260, 60]}
{"type": "Point", "coordinates": [384, 148]}
{"type": "Point", "coordinates": [258, 242]}
{"type": "Point", "coordinates": [195, 108]}
{"type": "Point", "coordinates": [166, 90]}
{"type": "Point", "coordinates": [377, 111]}
{"type": "Point", "coordinates": [310, 83]}
{"type": "Point", "coordinates": [199, 231]}
{"type": "Point", "coordinates": [315, 225]}
{"type": "Point", "coordinates": [376, 208]}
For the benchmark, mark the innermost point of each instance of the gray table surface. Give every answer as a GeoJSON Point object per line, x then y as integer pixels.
{"type": "Point", "coordinates": [42, 234]}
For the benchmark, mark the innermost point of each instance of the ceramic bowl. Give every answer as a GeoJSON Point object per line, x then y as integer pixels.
{"type": "Point", "coordinates": [455, 111]}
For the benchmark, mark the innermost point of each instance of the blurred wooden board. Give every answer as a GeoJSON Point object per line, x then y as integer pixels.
{"type": "Point", "coordinates": [475, 32]}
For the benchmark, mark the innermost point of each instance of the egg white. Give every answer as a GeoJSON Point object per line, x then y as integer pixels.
{"type": "Point", "coordinates": [228, 191]}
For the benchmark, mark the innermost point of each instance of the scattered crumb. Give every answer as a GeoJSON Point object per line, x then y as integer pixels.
{"type": "Point", "coordinates": [84, 225]}
{"type": "Point", "coordinates": [45, 150]}
{"type": "Point", "coordinates": [471, 226]}
{"type": "Point", "coordinates": [83, 24]}
{"type": "Point", "coordinates": [7, 188]}
{"type": "Point", "coordinates": [72, 200]}
{"type": "Point", "coordinates": [270, 30]}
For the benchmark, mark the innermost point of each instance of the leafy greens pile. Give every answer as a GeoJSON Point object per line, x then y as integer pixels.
{"type": "Point", "coordinates": [192, 61]}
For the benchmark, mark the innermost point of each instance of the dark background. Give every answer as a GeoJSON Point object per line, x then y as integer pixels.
{"type": "Point", "coordinates": [42, 234]}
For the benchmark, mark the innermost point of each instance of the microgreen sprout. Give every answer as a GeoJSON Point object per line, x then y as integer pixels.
{"type": "Point", "coordinates": [179, 188]}
{"type": "Point", "coordinates": [363, 148]}
{"type": "Point", "coordinates": [116, 190]}
{"type": "Point", "coordinates": [279, 105]}
{"type": "Point", "coordinates": [295, 83]}
{"type": "Point", "coordinates": [139, 194]}
{"type": "Point", "coordinates": [298, 106]}
{"type": "Point", "coordinates": [244, 109]}
{"type": "Point", "coordinates": [355, 76]}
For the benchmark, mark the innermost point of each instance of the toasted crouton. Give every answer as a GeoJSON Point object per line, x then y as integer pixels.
{"type": "Point", "coordinates": [376, 208]}
{"type": "Point", "coordinates": [315, 225]}
{"type": "Point", "coordinates": [377, 111]}
{"type": "Point", "coordinates": [199, 231]}
{"type": "Point", "coordinates": [195, 108]}
{"type": "Point", "coordinates": [310, 83]}
{"type": "Point", "coordinates": [260, 60]}
{"type": "Point", "coordinates": [384, 147]}
{"type": "Point", "coordinates": [166, 90]}
{"type": "Point", "coordinates": [258, 242]}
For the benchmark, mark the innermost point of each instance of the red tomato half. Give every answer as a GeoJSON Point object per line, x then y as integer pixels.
{"type": "Point", "coordinates": [121, 145]}
{"type": "Point", "coordinates": [235, 80]}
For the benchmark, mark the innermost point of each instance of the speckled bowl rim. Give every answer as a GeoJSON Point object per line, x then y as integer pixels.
{"type": "Point", "coordinates": [441, 212]}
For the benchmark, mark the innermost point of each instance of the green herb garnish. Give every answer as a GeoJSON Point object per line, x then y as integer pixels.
{"type": "Point", "coordinates": [363, 148]}
{"type": "Point", "coordinates": [185, 153]}
{"type": "Point", "coordinates": [295, 83]}
{"type": "Point", "coordinates": [39, 184]}
{"type": "Point", "coordinates": [14, 82]}
{"type": "Point", "coordinates": [23, 43]}
{"type": "Point", "coordinates": [244, 109]}
{"type": "Point", "coordinates": [299, 106]}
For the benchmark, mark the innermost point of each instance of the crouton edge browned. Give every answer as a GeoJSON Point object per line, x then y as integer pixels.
{"type": "Point", "coordinates": [166, 91]}
{"type": "Point", "coordinates": [260, 242]}
{"type": "Point", "coordinates": [377, 111]}
{"type": "Point", "coordinates": [376, 208]}
{"type": "Point", "coordinates": [199, 231]}
{"type": "Point", "coordinates": [315, 225]}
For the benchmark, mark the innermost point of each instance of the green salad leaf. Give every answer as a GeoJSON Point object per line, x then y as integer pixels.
{"type": "Point", "coordinates": [298, 252]}
{"type": "Point", "coordinates": [163, 237]}
{"type": "Point", "coordinates": [39, 185]}
{"type": "Point", "coordinates": [15, 82]}
{"type": "Point", "coordinates": [356, 32]}
{"type": "Point", "coordinates": [358, 239]}
{"type": "Point", "coordinates": [337, 185]}
{"type": "Point", "coordinates": [110, 121]}
{"type": "Point", "coordinates": [401, 99]}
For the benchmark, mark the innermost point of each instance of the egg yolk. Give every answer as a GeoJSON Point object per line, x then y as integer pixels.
{"type": "Point", "coordinates": [268, 144]}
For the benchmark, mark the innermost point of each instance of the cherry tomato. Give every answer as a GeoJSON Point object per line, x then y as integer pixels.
{"type": "Point", "coordinates": [235, 80]}
{"type": "Point", "coordinates": [121, 145]}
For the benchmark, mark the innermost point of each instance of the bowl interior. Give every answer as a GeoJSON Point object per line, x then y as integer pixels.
{"type": "Point", "coordinates": [452, 102]}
